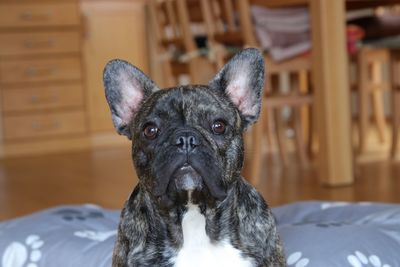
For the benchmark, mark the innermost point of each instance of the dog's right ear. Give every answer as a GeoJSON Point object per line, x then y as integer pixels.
{"type": "Point", "coordinates": [242, 81]}
{"type": "Point", "coordinates": [126, 88]}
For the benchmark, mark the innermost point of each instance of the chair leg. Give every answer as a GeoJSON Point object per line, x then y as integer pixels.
{"type": "Point", "coordinates": [268, 127]}
{"type": "Point", "coordinates": [395, 123]}
{"type": "Point", "coordinates": [312, 136]}
{"type": "Point", "coordinates": [169, 79]}
{"type": "Point", "coordinates": [363, 95]}
{"type": "Point", "coordinates": [299, 138]}
{"type": "Point", "coordinates": [280, 136]}
{"type": "Point", "coordinates": [219, 53]}
{"type": "Point", "coordinates": [257, 155]}
{"type": "Point", "coordinates": [379, 114]}
{"type": "Point", "coordinates": [377, 99]}
{"type": "Point", "coordinates": [194, 73]}
{"type": "Point", "coordinates": [304, 89]}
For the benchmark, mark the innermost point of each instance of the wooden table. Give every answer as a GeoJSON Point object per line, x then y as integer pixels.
{"type": "Point", "coordinates": [330, 78]}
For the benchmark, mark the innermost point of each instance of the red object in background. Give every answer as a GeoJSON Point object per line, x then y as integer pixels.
{"type": "Point", "coordinates": [354, 35]}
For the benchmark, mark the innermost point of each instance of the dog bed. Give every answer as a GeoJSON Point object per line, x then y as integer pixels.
{"type": "Point", "coordinates": [314, 234]}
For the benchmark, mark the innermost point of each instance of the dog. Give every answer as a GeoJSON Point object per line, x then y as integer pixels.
{"type": "Point", "coordinates": [191, 206]}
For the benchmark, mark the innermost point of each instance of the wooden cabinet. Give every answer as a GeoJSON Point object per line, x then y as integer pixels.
{"type": "Point", "coordinates": [51, 42]}
{"type": "Point", "coordinates": [60, 69]}
{"type": "Point", "coordinates": [30, 126]}
{"type": "Point", "coordinates": [52, 55]}
{"type": "Point", "coordinates": [42, 97]}
{"type": "Point", "coordinates": [38, 14]}
{"type": "Point", "coordinates": [113, 29]}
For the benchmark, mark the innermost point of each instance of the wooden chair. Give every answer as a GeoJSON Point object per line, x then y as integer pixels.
{"type": "Point", "coordinates": [371, 84]}
{"type": "Point", "coordinates": [395, 78]}
{"type": "Point", "coordinates": [230, 26]}
{"type": "Point", "coordinates": [297, 70]}
{"type": "Point", "coordinates": [177, 52]}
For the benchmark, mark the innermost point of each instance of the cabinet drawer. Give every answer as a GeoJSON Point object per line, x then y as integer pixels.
{"type": "Point", "coordinates": [43, 125]}
{"type": "Point", "coordinates": [38, 43]}
{"type": "Point", "coordinates": [42, 97]}
{"type": "Point", "coordinates": [13, 15]}
{"type": "Point", "coordinates": [37, 70]}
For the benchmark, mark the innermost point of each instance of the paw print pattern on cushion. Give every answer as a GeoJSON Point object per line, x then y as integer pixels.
{"type": "Point", "coordinates": [329, 205]}
{"type": "Point", "coordinates": [23, 255]}
{"type": "Point", "coordinates": [360, 260]}
{"type": "Point", "coordinates": [95, 235]}
{"type": "Point", "coordinates": [71, 214]}
{"type": "Point", "coordinates": [295, 259]}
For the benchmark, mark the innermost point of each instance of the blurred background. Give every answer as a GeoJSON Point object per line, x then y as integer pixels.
{"type": "Point", "coordinates": [331, 103]}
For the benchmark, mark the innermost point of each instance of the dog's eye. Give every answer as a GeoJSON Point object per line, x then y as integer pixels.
{"type": "Point", "coordinates": [219, 127]}
{"type": "Point", "coordinates": [150, 131]}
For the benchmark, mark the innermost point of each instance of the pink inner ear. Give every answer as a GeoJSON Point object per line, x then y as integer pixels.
{"type": "Point", "coordinates": [132, 96]}
{"type": "Point", "coordinates": [130, 106]}
{"type": "Point", "coordinates": [242, 97]}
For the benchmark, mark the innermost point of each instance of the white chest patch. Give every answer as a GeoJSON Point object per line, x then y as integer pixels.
{"type": "Point", "coordinates": [197, 249]}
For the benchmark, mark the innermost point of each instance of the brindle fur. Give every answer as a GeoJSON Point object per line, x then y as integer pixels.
{"type": "Point", "coordinates": [150, 230]}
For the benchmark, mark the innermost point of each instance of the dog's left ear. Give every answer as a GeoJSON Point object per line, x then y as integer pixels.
{"type": "Point", "coordinates": [126, 88]}
{"type": "Point", "coordinates": [242, 81]}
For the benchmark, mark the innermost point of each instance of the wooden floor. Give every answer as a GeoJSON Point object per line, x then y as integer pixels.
{"type": "Point", "coordinates": [106, 177]}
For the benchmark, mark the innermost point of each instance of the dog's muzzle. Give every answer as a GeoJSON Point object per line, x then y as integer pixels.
{"type": "Point", "coordinates": [188, 168]}
{"type": "Point", "coordinates": [186, 178]}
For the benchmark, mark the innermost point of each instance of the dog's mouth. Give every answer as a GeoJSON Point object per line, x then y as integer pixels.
{"type": "Point", "coordinates": [186, 178]}
{"type": "Point", "coordinates": [184, 183]}
{"type": "Point", "coordinates": [177, 174]}
{"type": "Point", "coordinates": [189, 184]}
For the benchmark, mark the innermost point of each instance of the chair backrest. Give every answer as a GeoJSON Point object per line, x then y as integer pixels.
{"type": "Point", "coordinates": [229, 22]}
{"type": "Point", "coordinates": [176, 47]}
{"type": "Point", "coordinates": [171, 25]}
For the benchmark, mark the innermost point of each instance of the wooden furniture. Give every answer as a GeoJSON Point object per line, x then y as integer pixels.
{"type": "Point", "coordinates": [297, 70]}
{"type": "Point", "coordinates": [41, 76]}
{"type": "Point", "coordinates": [176, 49]}
{"type": "Point", "coordinates": [395, 78]}
{"type": "Point", "coordinates": [330, 76]}
{"type": "Point", "coordinates": [51, 65]}
{"type": "Point", "coordinates": [371, 85]}
{"type": "Point", "coordinates": [228, 27]}
{"type": "Point", "coordinates": [332, 103]}
{"type": "Point", "coordinates": [112, 29]}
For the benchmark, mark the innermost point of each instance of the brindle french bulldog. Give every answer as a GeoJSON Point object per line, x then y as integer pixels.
{"type": "Point", "coordinates": [191, 206]}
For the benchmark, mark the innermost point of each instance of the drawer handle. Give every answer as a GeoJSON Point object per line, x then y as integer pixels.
{"type": "Point", "coordinates": [39, 44]}
{"type": "Point", "coordinates": [37, 100]}
{"type": "Point", "coordinates": [40, 126]}
{"type": "Point", "coordinates": [40, 71]}
{"type": "Point", "coordinates": [29, 16]}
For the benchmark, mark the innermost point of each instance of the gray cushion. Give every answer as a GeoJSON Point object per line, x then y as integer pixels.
{"type": "Point", "coordinates": [314, 234]}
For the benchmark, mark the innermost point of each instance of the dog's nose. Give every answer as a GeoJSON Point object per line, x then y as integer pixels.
{"type": "Point", "coordinates": [187, 141]}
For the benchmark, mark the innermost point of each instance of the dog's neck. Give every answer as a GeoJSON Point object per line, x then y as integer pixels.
{"type": "Point", "coordinates": [198, 249]}
{"type": "Point", "coordinates": [220, 224]}
{"type": "Point", "coordinates": [171, 219]}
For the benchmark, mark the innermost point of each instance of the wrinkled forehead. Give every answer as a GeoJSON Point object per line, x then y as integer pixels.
{"type": "Point", "coordinates": [185, 100]}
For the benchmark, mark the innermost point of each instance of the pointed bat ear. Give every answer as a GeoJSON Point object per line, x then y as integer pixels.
{"type": "Point", "coordinates": [242, 81]}
{"type": "Point", "coordinates": [126, 88]}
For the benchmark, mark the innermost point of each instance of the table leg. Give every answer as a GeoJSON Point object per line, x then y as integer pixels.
{"type": "Point", "coordinates": [332, 94]}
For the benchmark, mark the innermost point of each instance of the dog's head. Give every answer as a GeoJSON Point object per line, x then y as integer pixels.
{"type": "Point", "coordinates": [187, 138]}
